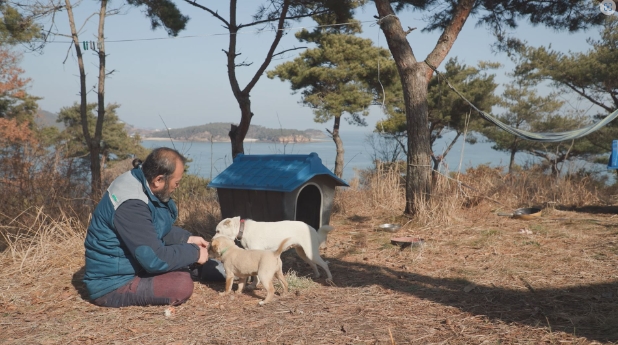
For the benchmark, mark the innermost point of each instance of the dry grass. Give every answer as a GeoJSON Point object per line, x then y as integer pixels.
{"type": "Point", "coordinates": [39, 244]}
{"type": "Point", "coordinates": [478, 279]}
{"type": "Point", "coordinates": [528, 188]}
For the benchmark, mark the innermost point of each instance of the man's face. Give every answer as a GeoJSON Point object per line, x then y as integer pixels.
{"type": "Point", "coordinates": [163, 188]}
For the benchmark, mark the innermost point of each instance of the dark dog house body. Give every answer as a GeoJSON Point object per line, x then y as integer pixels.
{"type": "Point", "coordinates": [277, 187]}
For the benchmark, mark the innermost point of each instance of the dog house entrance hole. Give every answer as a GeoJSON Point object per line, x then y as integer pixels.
{"type": "Point", "coordinates": [309, 206]}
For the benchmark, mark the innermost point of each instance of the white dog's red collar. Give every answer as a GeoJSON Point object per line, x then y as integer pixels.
{"type": "Point", "coordinates": [241, 230]}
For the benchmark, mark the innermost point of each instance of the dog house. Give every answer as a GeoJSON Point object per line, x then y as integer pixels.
{"type": "Point", "coordinates": [277, 187]}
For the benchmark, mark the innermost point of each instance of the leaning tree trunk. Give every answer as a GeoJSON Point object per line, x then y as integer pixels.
{"type": "Point", "coordinates": [414, 81]}
{"type": "Point", "coordinates": [338, 146]}
{"type": "Point", "coordinates": [415, 78]}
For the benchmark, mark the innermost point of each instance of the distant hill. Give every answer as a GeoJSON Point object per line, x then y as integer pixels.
{"type": "Point", "coordinates": [219, 132]}
{"type": "Point", "coordinates": [142, 132]}
{"type": "Point", "coordinates": [46, 118]}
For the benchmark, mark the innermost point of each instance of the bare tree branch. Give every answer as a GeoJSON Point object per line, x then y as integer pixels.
{"type": "Point", "coordinates": [271, 51]}
{"type": "Point", "coordinates": [244, 64]}
{"type": "Point", "coordinates": [588, 97]}
{"type": "Point", "coordinates": [86, 21]}
{"type": "Point", "coordinates": [213, 13]}
{"type": "Point", "coordinates": [449, 35]}
{"type": "Point", "coordinates": [68, 51]}
{"type": "Point", "coordinates": [288, 50]}
{"type": "Point", "coordinates": [300, 16]}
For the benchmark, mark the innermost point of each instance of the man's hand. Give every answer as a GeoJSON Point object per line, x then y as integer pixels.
{"type": "Point", "coordinates": [203, 255]}
{"type": "Point", "coordinates": [203, 244]}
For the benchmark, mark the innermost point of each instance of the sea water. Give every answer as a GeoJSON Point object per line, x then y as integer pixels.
{"type": "Point", "coordinates": [209, 159]}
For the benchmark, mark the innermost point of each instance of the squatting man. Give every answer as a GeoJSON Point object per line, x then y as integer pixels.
{"type": "Point", "coordinates": [134, 253]}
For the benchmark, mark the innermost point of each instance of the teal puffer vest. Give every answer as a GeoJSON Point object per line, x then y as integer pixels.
{"type": "Point", "coordinates": [108, 263]}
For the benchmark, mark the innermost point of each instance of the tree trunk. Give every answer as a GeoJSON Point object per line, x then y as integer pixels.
{"type": "Point", "coordinates": [418, 186]}
{"type": "Point", "coordinates": [438, 160]}
{"type": "Point", "coordinates": [554, 167]}
{"type": "Point", "coordinates": [104, 155]}
{"type": "Point", "coordinates": [512, 159]}
{"type": "Point", "coordinates": [95, 151]}
{"type": "Point", "coordinates": [414, 82]}
{"type": "Point", "coordinates": [95, 172]}
{"type": "Point", "coordinates": [415, 77]}
{"type": "Point", "coordinates": [237, 133]}
{"type": "Point", "coordinates": [339, 146]}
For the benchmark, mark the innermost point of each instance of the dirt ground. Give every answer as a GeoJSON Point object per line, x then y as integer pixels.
{"type": "Point", "coordinates": [485, 279]}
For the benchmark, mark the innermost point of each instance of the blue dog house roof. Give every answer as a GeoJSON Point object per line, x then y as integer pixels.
{"type": "Point", "coordinates": [282, 173]}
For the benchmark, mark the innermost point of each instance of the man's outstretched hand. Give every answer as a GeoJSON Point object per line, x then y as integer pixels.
{"type": "Point", "coordinates": [199, 241]}
{"type": "Point", "coordinates": [203, 244]}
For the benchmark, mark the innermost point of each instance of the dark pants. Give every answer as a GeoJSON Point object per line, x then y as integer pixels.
{"type": "Point", "coordinates": [170, 288]}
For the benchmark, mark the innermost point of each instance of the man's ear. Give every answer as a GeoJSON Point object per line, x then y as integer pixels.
{"type": "Point", "coordinates": [158, 181]}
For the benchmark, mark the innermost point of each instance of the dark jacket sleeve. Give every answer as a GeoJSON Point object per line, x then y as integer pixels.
{"type": "Point", "coordinates": [133, 223]}
{"type": "Point", "coordinates": [176, 236]}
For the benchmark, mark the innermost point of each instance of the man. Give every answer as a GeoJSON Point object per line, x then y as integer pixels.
{"type": "Point", "coordinates": [134, 255]}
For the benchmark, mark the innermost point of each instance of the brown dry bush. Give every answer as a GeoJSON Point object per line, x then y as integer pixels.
{"type": "Point", "coordinates": [380, 192]}
{"type": "Point", "coordinates": [45, 244]}
{"type": "Point", "coordinates": [198, 206]}
{"type": "Point", "coordinates": [118, 168]}
{"type": "Point", "coordinates": [33, 176]}
{"type": "Point", "coordinates": [533, 187]}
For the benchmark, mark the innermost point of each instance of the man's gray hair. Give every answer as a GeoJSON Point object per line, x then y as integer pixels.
{"type": "Point", "coordinates": [161, 161]}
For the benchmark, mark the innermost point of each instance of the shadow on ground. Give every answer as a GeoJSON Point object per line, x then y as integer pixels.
{"type": "Point", "coordinates": [589, 311]}
{"type": "Point", "coordinates": [589, 209]}
{"type": "Point", "coordinates": [78, 284]}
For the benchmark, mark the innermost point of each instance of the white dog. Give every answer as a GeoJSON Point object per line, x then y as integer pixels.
{"type": "Point", "coordinates": [269, 235]}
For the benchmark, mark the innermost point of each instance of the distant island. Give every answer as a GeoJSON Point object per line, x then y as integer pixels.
{"type": "Point", "coordinates": [218, 132]}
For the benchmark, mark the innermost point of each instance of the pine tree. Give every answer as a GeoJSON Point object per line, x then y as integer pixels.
{"type": "Point", "coordinates": [591, 75]}
{"type": "Point", "coordinates": [116, 144]}
{"type": "Point", "coordinates": [449, 18]}
{"type": "Point", "coordinates": [334, 79]}
{"type": "Point", "coordinates": [447, 112]}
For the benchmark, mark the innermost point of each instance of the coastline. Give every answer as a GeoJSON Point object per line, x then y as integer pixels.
{"type": "Point", "coordinates": [247, 140]}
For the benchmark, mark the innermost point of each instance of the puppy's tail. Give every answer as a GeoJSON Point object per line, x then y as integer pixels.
{"type": "Point", "coordinates": [282, 247]}
{"type": "Point", "coordinates": [323, 232]}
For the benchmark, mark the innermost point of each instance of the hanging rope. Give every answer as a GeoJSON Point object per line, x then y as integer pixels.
{"type": "Point", "coordinates": [540, 137]}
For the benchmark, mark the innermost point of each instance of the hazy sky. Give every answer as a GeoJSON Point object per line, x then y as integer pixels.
{"type": "Point", "coordinates": [184, 80]}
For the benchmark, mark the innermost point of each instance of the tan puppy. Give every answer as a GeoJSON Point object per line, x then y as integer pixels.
{"type": "Point", "coordinates": [244, 263]}
{"type": "Point", "coordinates": [268, 235]}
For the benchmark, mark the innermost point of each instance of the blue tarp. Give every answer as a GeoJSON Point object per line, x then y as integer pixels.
{"type": "Point", "coordinates": [613, 157]}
